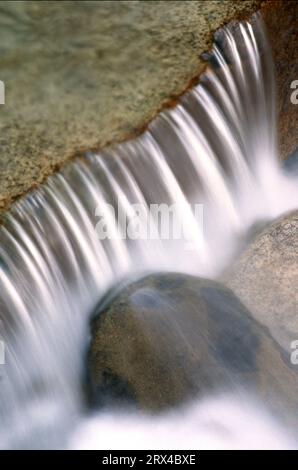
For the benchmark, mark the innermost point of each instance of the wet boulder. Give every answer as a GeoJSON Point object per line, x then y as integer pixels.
{"type": "Point", "coordinates": [168, 338]}
{"type": "Point", "coordinates": [265, 278]}
{"type": "Point", "coordinates": [290, 165]}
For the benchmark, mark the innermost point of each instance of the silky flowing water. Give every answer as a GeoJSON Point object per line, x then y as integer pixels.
{"type": "Point", "coordinates": [216, 148]}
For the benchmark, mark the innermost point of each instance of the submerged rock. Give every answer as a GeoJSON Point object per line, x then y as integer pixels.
{"type": "Point", "coordinates": [170, 337]}
{"type": "Point", "coordinates": [290, 165]}
{"type": "Point", "coordinates": [266, 277]}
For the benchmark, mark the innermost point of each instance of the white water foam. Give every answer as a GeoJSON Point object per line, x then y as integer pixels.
{"type": "Point", "coordinates": [220, 423]}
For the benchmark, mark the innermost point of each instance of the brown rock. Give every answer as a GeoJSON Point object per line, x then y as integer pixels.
{"type": "Point", "coordinates": [170, 337]}
{"type": "Point", "coordinates": [82, 74]}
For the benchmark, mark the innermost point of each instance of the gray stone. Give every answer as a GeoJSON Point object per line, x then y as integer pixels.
{"type": "Point", "coordinates": [265, 278]}
{"type": "Point", "coordinates": [168, 338]}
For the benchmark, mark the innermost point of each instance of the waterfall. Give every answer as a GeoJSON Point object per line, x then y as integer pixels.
{"type": "Point", "coordinates": [215, 149]}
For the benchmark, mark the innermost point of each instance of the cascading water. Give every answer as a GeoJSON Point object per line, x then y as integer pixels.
{"type": "Point", "coordinates": [217, 148]}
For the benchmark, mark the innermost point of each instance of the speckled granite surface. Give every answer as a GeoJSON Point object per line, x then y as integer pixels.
{"type": "Point", "coordinates": [282, 25]}
{"type": "Point", "coordinates": [81, 74]}
{"type": "Point", "coordinates": [265, 277]}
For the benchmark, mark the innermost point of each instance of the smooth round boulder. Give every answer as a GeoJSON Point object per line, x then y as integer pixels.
{"type": "Point", "coordinates": [265, 278]}
{"type": "Point", "coordinates": [168, 338]}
